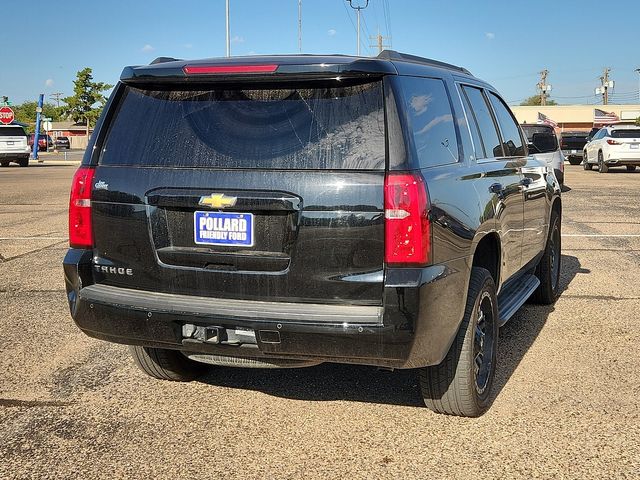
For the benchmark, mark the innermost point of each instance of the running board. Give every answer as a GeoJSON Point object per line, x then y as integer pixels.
{"type": "Point", "coordinates": [511, 300]}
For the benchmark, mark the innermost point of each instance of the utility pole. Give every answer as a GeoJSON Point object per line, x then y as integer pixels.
{"type": "Point", "coordinates": [380, 42]}
{"type": "Point", "coordinates": [543, 87]}
{"type": "Point", "coordinates": [228, 39]}
{"type": "Point", "coordinates": [299, 26]}
{"type": "Point", "coordinates": [606, 85]}
{"type": "Point", "coordinates": [358, 8]}
{"type": "Point", "coordinates": [637, 70]}
{"type": "Point", "coordinates": [57, 96]}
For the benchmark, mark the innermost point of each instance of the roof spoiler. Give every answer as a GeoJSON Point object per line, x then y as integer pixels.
{"type": "Point", "coordinates": [165, 69]}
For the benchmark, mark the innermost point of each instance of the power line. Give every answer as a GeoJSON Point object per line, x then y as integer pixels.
{"type": "Point", "coordinates": [357, 9]}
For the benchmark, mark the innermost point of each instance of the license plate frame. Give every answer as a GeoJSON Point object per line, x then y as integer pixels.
{"type": "Point", "coordinates": [212, 228]}
{"type": "Point", "coordinates": [634, 146]}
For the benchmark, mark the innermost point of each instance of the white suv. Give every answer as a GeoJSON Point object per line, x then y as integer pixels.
{"type": "Point", "coordinates": [13, 146]}
{"type": "Point", "coordinates": [614, 146]}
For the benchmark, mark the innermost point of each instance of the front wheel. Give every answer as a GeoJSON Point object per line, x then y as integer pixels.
{"type": "Point", "coordinates": [165, 364]}
{"type": "Point", "coordinates": [548, 270]}
{"type": "Point", "coordinates": [461, 383]}
{"type": "Point", "coordinates": [631, 168]}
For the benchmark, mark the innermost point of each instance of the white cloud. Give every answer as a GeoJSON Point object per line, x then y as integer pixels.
{"type": "Point", "coordinates": [490, 35]}
{"type": "Point", "coordinates": [147, 48]}
{"type": "Point", "coordinates": [237, 39]}
{"type": "Point", "coordinates": [49, 82]}
{"type": "Point", "coordinates": [331, 32]}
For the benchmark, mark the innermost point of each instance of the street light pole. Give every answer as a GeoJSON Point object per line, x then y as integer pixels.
{"type": "Point", "coordinates": [637, 70]}
{"type": "Point", "coordinates": [358, 8]}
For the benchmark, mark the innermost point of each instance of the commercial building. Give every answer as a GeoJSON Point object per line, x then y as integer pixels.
{"type": "Point", "coordinates": [575, 117]}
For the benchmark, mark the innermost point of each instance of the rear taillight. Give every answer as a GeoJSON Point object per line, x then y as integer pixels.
{"type": "Point", "coordinates": [613, 142]}
{"type": "Point", "coordinates": [406, 213]}
{"type": "Point", "coordinates": [80, 231]}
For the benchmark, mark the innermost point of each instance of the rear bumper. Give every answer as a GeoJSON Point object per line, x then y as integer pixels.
{"type": "Point", "coordinates": [13, 155]}
{"type": "Point", "coordinates": [627, 159]}
{"type": "Point", "coordinates": [422, 311]}
{"type": "Point", "coordinates": [571, 154]}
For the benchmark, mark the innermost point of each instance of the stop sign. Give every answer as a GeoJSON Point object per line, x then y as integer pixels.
{"type": "Point", "coordinates": [6, 115]}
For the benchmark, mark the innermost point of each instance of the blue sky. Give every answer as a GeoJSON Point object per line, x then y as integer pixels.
{"type": "Point", "coordinates": [503, 42]}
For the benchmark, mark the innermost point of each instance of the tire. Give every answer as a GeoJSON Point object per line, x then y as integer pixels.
{"type": "Point", "coordinates": [602, 167]}
{"type": "Point", "coordinates": [166, 364]}
{"type": "Point", "coordinates": [4, 164]}
{"type": "Point", "coordinates": [454, 387]}
{"type": "Point", "coordinates": [24, 162]}
{"type": "Point", "coordinates": [548, 269]}
{"type": "Point", "coordinates": [574, 161]}
{"type": "Point", "coordinates": [631, 168]}
{"type": "Point", "coordinates": [585, 164]}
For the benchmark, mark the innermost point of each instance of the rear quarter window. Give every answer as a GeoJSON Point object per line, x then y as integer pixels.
{"type": "Point", "coordinates": [431, 122]}
{"type": "Point", "coordinates": [277, 128]}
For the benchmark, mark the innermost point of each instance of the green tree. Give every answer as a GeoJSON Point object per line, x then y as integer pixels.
{"type": "Point", "coordinates": [638, 121]}
{"type": "Point", "coordinates": [87, 100]}
{"type": "Point", "coordinates": [535, 101]}
{"type": "Point", "coordinates": [26, 113]}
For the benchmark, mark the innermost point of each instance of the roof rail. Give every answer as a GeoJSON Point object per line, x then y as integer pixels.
{"type": "Point", "coordinates": [405, 57]}
{"type": "Point", "coordinates": [164, 60]}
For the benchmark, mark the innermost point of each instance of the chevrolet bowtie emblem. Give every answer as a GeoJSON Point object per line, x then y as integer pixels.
{"type": "Point", "coordinates": [217, 200]}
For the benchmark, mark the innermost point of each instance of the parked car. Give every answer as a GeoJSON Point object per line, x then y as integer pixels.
{"type": "Point", "coordinates": [306, 209]}
{"type": "Point", "coordinates": [614, 146]}
{"type": "Point", "coordinates": [43, 143]}
{"type": "Point", "coordinates": [13, 146]}
{"type": "Point", "coordinates": [543, 144]}
{"type": "Point", "coordinates": [63, 143]}
{"type": "Point", "coordinates": [572, 145]}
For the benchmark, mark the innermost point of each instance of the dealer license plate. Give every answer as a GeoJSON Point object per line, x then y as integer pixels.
{"type": "Point", "coordinates": [223, 228]}
{"type": "Point", "coordinates": [635, 145]}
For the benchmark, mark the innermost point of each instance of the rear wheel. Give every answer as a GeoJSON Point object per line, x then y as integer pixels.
{"type": "Point", "coordinates": [585, 163]}
{"type": "Point", "coordinates": [461, 384]}
{"type": "Point", "coordinates": [166, 364]}
{"type": "Point", "coordinates": [4, 164]}
{"type": "Point", "coordinates": [602, 167]}
{"type": "Point", "coordinates": [574, 161]}
{"type": "Point", "coordinates": [631, 168]}
{"type": "Point", "coordinates": [548, 270]}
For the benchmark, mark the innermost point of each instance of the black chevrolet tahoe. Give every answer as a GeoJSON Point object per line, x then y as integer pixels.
{"type": "Point", "coordinates": [283, 211]}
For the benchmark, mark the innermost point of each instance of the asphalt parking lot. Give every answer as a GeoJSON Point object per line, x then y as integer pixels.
{"type": "Point", "coordinates": [566, 402]}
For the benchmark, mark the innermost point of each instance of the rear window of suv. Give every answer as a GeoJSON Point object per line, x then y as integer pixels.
{"type": "Point", "coordinates": [12, 132]}
{"type": "Point", "coordinates": [626, 133]}
{"type": "Point", "coordinates": [284, 128]}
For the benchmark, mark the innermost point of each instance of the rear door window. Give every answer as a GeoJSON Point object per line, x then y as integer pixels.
{"type": "Point", "coordinates": [275, 128]}
{"type": "Point", "coordinates": [430, 119]}
{"type": "Point", "coordinates": [511, 138]}
{"type": "Point", "coordinates": [484, 118]}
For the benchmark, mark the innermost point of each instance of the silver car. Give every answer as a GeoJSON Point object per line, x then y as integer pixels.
{"type": "Point", "coordinates": [543, 145]}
